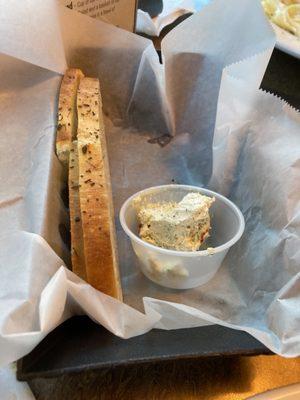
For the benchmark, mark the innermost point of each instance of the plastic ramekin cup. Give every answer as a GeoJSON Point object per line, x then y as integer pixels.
{"type": "Point", "coordinates": [184, 269]}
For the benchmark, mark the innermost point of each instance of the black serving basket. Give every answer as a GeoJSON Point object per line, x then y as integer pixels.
{"type": "Point", "coordinates": [80, 344]}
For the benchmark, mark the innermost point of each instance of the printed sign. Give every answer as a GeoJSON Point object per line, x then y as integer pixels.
{"type": "Point", "coordinates": [121, 13]}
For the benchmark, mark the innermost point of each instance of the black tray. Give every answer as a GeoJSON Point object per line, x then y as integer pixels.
{"type": "Point", "coordinates": [80, 344]}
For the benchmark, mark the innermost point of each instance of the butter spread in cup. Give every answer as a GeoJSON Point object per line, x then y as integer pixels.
{"type": "Point", "coordinates": [181, 226]}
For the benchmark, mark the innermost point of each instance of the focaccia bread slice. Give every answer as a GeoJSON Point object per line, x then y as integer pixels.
{"type": "Point", "coordinates": [97, 216]}
{"type": "Point", "coordinates": [77, 247]}
{"type": "Point", "coordinates": [67, 115]}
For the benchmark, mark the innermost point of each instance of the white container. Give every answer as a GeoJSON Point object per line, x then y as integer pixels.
{"type": "Point", "coordinates": [184, 269]}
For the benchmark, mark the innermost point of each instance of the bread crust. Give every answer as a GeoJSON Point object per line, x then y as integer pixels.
{"type": "Point", "coordinates": [67, 113]}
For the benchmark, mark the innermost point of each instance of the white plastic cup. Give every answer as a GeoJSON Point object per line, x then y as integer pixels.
{"type": "Point", "coordinates": [184, 269]}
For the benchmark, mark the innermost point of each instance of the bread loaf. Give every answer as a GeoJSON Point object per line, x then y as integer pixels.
{"type": "Point", "coordinates": [96, 208]}
{"type": "Point", "coordinates": [67, 117]}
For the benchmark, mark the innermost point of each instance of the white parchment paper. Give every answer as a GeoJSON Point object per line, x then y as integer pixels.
{"type": "Point", "coordinates": [11, 389]}
{"type": "Point", "coordinates": [225, 133]}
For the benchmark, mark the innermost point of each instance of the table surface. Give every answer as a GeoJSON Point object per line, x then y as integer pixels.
{"type": "Point", "coordinates": [221, 378]}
